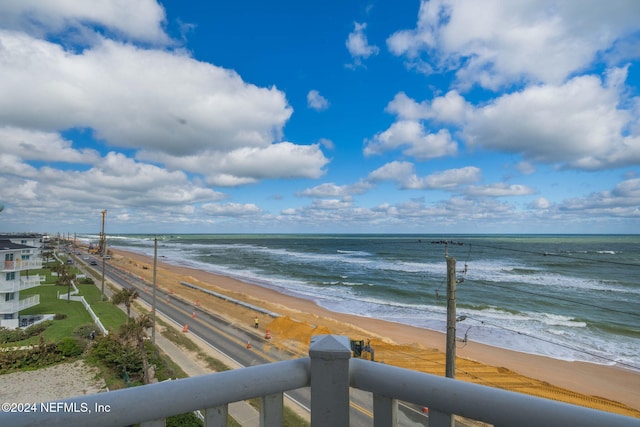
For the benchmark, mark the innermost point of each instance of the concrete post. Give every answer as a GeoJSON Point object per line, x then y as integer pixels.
{"type": "Point", "coordinates": [330, 356]}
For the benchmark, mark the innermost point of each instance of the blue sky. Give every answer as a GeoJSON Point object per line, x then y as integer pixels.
{"type": "Point", "coordinates": [447, 116]}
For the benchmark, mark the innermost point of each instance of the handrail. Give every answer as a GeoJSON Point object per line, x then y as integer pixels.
{"type": "Point", "coordinates": [491, 405]}
{"type": "Point", "coordinates": [161, 400]}
{"type": "Point", "coordinates": [329, 371]}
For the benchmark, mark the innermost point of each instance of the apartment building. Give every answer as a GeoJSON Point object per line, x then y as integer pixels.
{"type": "Point", "coordinates": [18, 255]}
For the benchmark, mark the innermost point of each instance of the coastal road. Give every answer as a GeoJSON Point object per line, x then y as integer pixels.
{"type": "Point", "coordinates": [231, 339]}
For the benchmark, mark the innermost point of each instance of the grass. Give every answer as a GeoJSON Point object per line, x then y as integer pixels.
{"type": "Point", "coordinates": [110, 316]}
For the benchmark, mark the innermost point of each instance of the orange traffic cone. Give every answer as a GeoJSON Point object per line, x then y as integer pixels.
{"type": "Point", "coordinates": [267, 335]}
{"type": "Point", "coordinates": [186, 328]}
{"type": "Point", "coordinates": [198, 303]}
{"type": "Point", "coordinates": [248, 344]}
{"type": "Point", "coordinates": [193, 315]}
{"type": "Point", "coordinates": [171, 291]}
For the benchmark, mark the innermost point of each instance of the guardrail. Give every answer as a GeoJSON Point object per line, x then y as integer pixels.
{"type": "Point", "coordinates": [330, 372]}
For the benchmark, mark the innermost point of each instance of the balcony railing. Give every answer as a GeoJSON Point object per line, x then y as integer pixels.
{"type": "Point", "coordinates": [25, 282]}
{"type": "Point", "coordinates": [21, 264]}
{"type": "Point", "coordinates": [15, 306]}
{"type": "Point", "coordinates": [329, 371]}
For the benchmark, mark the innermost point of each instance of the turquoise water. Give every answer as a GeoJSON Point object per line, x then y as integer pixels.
{"type": "Point", "coordinates": [568, 297]}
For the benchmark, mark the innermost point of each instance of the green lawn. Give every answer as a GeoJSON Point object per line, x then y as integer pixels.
{"type": "Point", "coordinates": [110, 316]}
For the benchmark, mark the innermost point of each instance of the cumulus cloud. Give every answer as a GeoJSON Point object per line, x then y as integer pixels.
{"type": "Point", "coordinates": [498, 190]}
{"type": "Point", "coordinates": [330, 189]}
{"type": "Point", "coordinates": [359, 46]}
{"type": "Point", "coordinates": [577, 125]}
{"type": "Point", "coordinates": [231, 209]}
{"type": "Point", "coordinates": [403, 173]}
{"type": "Point", "coordinates": [415, 139]}
{"type": "Point", "coordinates": [141, 20]}
{"type": "Point", "coordinates": [42, 146]}
{"type": "Point", "coordinates": [316, 101]}
{"type": "Point", "coordinates": [583, 124]}
{"type": "Point", "coordinates": [134, 97]}
{"type": "Point", "coordinates": [537, 41]}
{"type": "Point", "coordinates": [248, 164]}
{"type": "Point", "coordinates": [165, 104]}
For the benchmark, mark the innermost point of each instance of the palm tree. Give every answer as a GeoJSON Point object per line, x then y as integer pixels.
{"type": "Point", "coordinates": [125, 296]}
{"type": "Point", "coordinates": [135, 332]}
{"type": "Point", "coordinates": [65, 278]}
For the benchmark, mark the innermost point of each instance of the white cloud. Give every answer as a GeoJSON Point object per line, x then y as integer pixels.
{"type": "Point", "coordinates": [231, 209]}
{"type": "Point", "coordinates": [451, 108]}
{"type": "Point", "coordinates": [317, 101]}
{"type": "Point", "coordinates": [624, 199]}
{"type": "Point", "coordinates": [140, 20]}
{"type": "Point", "coordinates": [540, 203]}
{"type": "Point", "coordinates": [134, 97]}
{"type": "Point", "coordinates": [498, 190]}
{"type": "Point", "coordinates": [332, 190]}
{"type": "Point", "coordinates": [43, 146]}
{"type": "Point", "coordinates": [249, 164]}
{"type": "Point", "coordinates": [577, 124]}
{"type": "Point", "coordinates": [533, 40]}
{"type": "Point", "coordinates": [404, 175]}
{"type": "Point", "coordinates": [359, 46]}
{"type": "Point", "coordinates": [417, 141]}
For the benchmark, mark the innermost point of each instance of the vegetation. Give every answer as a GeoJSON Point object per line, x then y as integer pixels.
{"type": "Point", "coordinates": [15, 335]}
{"type": "Point", "coordinates": [125, 296]}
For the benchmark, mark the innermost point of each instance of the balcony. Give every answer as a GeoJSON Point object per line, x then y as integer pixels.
{"type": "Point", "coordinates": [21, 264]}
{"type": "Point", "coordinates": [16, 306]}
{"type": "Point", "coordinates": [25, 282]}
{"type": "Point", "coordinates": [329, 372]}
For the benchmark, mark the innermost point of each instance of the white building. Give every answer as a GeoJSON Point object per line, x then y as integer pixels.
{"type": "Point", "coordinates": [18, 253]}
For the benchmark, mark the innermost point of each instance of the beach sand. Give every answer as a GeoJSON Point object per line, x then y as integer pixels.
{"type": "Point", "coordinates": [602, 387]}
{"type": "Point", "coordinates": [56, 382]}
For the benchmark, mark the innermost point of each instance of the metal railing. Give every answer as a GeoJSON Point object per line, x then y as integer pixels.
{"type": "Point", "coordinates": [330, 372]}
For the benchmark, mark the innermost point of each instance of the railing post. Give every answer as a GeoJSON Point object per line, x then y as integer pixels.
{"type": "Point", "coordinates": [330, 356]}
{"type": "Point", "coordinates": [385, 411]}
{"type": "Point", "coordinates": [217, 416]}
{"type": "Point", "coordinates": [271, 410]}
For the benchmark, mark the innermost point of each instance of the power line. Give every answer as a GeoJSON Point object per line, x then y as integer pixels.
{"type": "Point", "coordinates": [555, 343]}
{"type": "Point", "coordinates": [554, 254]}
{"type": "Point", "coordinates": [563, 299]}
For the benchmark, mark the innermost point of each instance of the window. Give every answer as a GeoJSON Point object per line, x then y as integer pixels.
{"type": "Point", "coordinates": [9, 296]}
{"type": "Point", "coordinates": [8, 316]}
{"type": "Point", "coordinates": [11, 276]}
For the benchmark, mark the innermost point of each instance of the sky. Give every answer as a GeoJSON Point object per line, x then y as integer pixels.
{"type": "Point", "coordinates": [440, 116]}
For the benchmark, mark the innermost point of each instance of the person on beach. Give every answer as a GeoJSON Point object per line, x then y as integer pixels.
{"type": "Point", "coordinates": [256, 323]}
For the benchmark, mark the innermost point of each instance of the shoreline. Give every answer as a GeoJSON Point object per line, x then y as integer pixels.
{"type": "Point", "coordinates": [605, 381]}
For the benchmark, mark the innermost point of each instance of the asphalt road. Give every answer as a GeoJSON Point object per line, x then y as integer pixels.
{"type": "Point", "coordinates": [232, 340]}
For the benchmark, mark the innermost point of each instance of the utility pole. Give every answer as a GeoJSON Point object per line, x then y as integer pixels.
{"type": "Point", "coordinates": [103, 250]}
{"type": "Point", "coordinates": [153, 305]}
{"type": "Point", "coordinates": [451, 318]}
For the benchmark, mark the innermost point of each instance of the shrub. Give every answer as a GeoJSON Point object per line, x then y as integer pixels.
{"type": "Point", "coordinates": [59, 316]}
{"type": "Point", "coordinates": [70, 347]}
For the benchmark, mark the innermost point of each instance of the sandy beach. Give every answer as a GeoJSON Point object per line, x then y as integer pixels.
{"type": "Point", "coordinates": [610, 383]}
{"type": "Point", "coordinates": [56, 382]}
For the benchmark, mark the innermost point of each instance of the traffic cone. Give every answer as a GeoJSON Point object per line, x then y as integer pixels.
{"type": "Point", "coordinates": [171, 291]}
{"type": "Point", "coordinates": [267, 335]}
{"type": "Point", "coordinates": [186, 328]}
{"type": "Point", "coordinates": [248, 344]}
{"type": "Point", "coordinates": [198, 303]}
{"type": "Point", "coordinates": [193, 315]}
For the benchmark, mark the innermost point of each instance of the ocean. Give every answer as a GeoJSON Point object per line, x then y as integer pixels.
{"type": "Point", "coordinates": [570, 297]}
